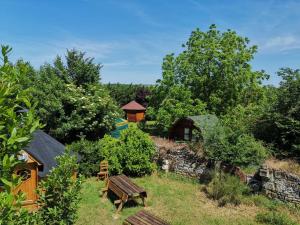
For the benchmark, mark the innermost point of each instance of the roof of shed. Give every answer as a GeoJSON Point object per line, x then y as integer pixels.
{"type": "Point", "coordinates": [44, 149]}
{"type": "Point", "coordinates": [133, 105]}
{"type": "Point", "coordinates": [201, 118]}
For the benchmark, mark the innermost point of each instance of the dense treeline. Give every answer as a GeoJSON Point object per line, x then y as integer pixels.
{"type": "Point", "coordinates": [124, 93]}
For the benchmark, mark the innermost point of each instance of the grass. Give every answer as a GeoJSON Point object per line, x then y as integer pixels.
{"type": "Point", "coordinates": [176, 199]}
{"type": "Point", "coordinates": [288, 165]}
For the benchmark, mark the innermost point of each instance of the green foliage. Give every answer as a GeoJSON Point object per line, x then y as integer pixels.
{"type": "Point", "coordinates": [137, 150]}
{"type": "Point", "coordinates": [281, 125]}
{"type": "Point", "coordinates": [71, 101]}
{"type": "Point", "coordinates": [221, 144]}
{"type": "Point", "coordinates": [130, 154]}
{"type": "Point", "coordinates": [15, 133]}
{"type": "Point", "coordinates": [275, 218]}
{"type": "Point", "coordinates": [226, 189]}
{"type": "Point", "coordinates": [124, 93]}
{"type": "Point", "coordinates": [15, 128]}
{"type": "Point", "coordinates": [215, 68]}
{"type": "Point", "coordinates": [59, 193]}
{"type": "Point", "coordinates": [80, 70]}
{"type": "Point", "coordinates": [111, 150]}
{"type": "Point", "coordinates": [247, 152]}
{"type": "Point", "coordinates": [90, 156]}
{"type": "Point", "coordinates": [177, 104]}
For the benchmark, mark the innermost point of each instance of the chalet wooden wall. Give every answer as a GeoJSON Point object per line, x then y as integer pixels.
{"type": "Point", "coordinates": [177, 130]}
{"type": "Point", "coordinates": [135, 116]}
{"type": "Point", "coordinates": [29, 173]}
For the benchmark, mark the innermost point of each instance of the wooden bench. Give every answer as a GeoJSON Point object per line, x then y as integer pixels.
{"type": "Point", "coordinates": [124, 189]}
{"type": "Point", "coordinates": [144, 218]}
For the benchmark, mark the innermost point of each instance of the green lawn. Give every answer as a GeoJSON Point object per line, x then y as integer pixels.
{"type": "Point", "coordinates": [174, 198]}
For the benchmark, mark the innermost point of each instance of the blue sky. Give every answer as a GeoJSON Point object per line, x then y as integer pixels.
{"type": "Point", "coordinates": [130, 38]}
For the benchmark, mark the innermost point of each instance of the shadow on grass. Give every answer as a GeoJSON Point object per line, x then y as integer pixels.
{"type": "Point", "coordinates": [129, 204]}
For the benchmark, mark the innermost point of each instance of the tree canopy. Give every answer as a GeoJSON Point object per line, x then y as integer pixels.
{"type": "Point", "coordinates": [215, 67]}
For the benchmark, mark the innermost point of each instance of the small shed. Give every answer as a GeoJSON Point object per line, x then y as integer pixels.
{"type": "Point", "coordinates": [183, 128]}
{"type": "Point", "coordinates": [39, 159]}
{"type": "Point", "coordinates": [134, 111]}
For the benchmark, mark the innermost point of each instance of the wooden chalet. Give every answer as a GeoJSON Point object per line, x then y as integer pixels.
{"type": "Point", "coordinates": [183, 128]}
{"type": "Point", "coordinates": [39, 159]}
{"type": "Point", "coordinates": [134, 111]}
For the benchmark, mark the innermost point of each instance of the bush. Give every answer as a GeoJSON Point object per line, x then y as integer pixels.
{"type": "Point", "coordinates": [111, 149]}
{"type": "Point", "coordinates": [226, 189]}
{"type": "Point", "coordinates": [274, 218]}
{"type": "Point", "coordinates": [130, 154]}
{"type": "Point", "coordinates": [247, 152]}
{"type": "Point", "coordinates": [59, 193]}
{"type": "Point", "coordinates": [137, 150]}
{"type": "Point", "coordinates": [90, 156]}
{"type": "Point", "coordinates": [221, 144]}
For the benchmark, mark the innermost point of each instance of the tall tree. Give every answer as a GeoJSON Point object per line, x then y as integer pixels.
{"type": "Point", "coordinates": [79, 69]}
{"type": "Point", "coordinates": [215, 67]}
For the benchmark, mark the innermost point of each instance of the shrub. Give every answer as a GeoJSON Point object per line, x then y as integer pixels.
{"type": "Point", "coordinates": [247, 152]}
{"type": "Point", "coordinates": [131, 154]}
{"type": "Point", "coordinates": [226, 189]}
{"type": "Point", "coordinates": [221, 144]}
{"type": "Point", "coordinates": [274, 218]}
{"type": "Point", "coordinates": [111, 149]}
{"type": "Point", "coordinates": [59, 193]}
{"type": "Point", "coordinates": [137, 150]}
{"type": "Point", "coordinates": [90, 156]}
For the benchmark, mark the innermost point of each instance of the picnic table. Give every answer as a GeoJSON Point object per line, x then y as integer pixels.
{"type": "Point", "coordinates": [124, 189]}
{"type": "Point", "coordinates": [144, 218]}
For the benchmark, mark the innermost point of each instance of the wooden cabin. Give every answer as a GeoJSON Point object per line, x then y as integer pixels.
{"type": "Point", "coordinates": [134, 111]}
{"type": "Point", "coordinates": [39, 159]}
{"type": "Point", "coordinates": [183, 128]}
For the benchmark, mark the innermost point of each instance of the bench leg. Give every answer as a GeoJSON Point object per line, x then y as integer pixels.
{"type": "Point", "coordinates": [120, 207]}
{"type": "Point", "coordinates": [104, 192]}
{"type": "Point", "coordinates": [144, 201]}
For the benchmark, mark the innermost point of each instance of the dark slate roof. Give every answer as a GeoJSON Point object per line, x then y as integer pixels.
{"type": "Point", "coordinates": [133, 105]}
{"type": "Point", "coordinates": [44, 149]}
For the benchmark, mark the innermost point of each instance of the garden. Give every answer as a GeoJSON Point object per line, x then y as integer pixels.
{"type": "Point", "coordinates": [253, 125]}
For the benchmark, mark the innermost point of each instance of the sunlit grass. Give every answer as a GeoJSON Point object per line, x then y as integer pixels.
{"type": "Point", "coordinates": [176, 199]}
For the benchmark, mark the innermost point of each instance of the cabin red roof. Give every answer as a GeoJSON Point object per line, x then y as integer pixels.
{"type": "Point", "coordinates": [133, 105]}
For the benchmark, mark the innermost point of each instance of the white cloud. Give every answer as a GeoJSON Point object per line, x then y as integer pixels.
{"type": "Point", "coordinates": [281, 43]}
{"type": "Point", "coordinates": [39, 52]}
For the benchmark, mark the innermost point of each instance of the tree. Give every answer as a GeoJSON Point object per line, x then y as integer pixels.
{"type": "Point", "coordinates": [177, 104]}
{"type": "Point", "coordinates": [215, 68]}
{"type": "Point", "coordinates": [71, 101]}
{"type": "Point", "coordinates": [281, 125]}
{"type": "Point", "coordinates": [79, 69]}
{"type": "Point", "coordinates": [124, 93]}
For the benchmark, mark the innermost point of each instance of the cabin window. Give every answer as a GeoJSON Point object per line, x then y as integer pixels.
{"type": "Point", "coordinates": [25, 174]}
{"type": "Point", "coordinates": [186, 134]}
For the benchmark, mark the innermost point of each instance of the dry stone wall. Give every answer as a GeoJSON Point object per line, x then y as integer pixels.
{"type": "Point", "coordinates": [280, 184]}
{"type": "Point", "coordinates": [274, 183]}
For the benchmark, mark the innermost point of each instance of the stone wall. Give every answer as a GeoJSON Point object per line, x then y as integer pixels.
{"type": "Point", "coordinates": [274, 183]}
{"type": "Point", "coordinates": [183, 161]}
{"type": "Point", "coordinates": [280, 184]}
